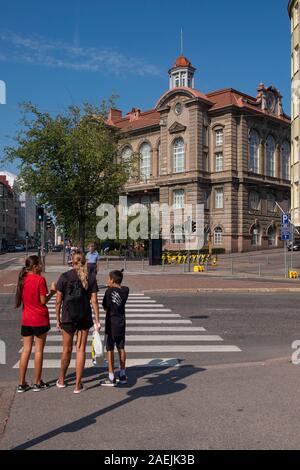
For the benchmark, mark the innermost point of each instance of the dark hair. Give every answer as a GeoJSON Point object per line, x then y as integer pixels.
{"type": "Point", "coordinates": [117, 276]}
{"type": "Point", "coordinates": [30, 263]}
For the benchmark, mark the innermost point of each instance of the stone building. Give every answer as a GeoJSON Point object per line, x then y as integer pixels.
{"type": "Point", "coordinates": [224, 149]}
{"type": "Point", "coordinates": [295, 82]}
{"type": "Point", "coordinates": [8, 214]}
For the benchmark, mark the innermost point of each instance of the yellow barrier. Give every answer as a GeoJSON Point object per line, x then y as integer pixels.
{"type": "Point", "coordinates": [198, 269]}
{"type": "Point", "coordinates": [293, 275]}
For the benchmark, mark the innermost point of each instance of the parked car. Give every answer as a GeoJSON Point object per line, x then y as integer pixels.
{"type": "Point", "coordinates": [57, 248]}
{"type": "Point", "coordinates": [296, 246]}
{"type": "Point", "coordinates": [19, 247]}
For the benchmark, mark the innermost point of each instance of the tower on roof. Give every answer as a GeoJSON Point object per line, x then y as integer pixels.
{"type": "Point", "coordinates": [182, 73]}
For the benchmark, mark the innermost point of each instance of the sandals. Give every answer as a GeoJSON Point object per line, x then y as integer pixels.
{"type": "Point", "coordinates": [60, 385]}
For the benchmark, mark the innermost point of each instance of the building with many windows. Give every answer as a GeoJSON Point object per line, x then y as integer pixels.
{"type": "Point", "coordinates": [293, 7]}
{"type": "Point", "coordinates": [224, 149]}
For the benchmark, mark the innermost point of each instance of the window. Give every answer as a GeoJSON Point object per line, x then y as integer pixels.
{"type": "Point", "coordinates": [205, 162]}
{"type": "Point", "coordinates": [254, 152]}
{"type": "Point", "coordinates": [177, 80]}
{"type": "Point", "coordinates": [254, 201]}
{"type": "Point", "coordinates": [296, 15]}
{"type": "Point", "coordinates": [158, 158]}
{"type": "Point", "coordinates": [178, 234]}
{"type": "Point", "coordinates": [272, 236]}
{"type": "Point", "coordinates": [219, 198]}
{"type": "Point", "coordinates": [145, 162]}
{"type": "Point", "coordinates": [270, 156]}
{"type": "Point", "coordinates": [218, 236]}
{"type": "Point", "coordinates": [219, 166]}
{"type": "Point", "coordinates": [286, 152]}
{"type": "Point", "coordinates": [178, 199]}
{"type": "Point", "coordinates": [296, 59]}
{"type": "Point", "coordinates": [271, 203]}
{"type": "Point", "coordinates": [126, 154]}
{"type": "Point", "coordinates": [206, 199]}
{"type": "Point", "coordinates": [255, 235]}
{"type": "Point", "coordinates": [178, 156]}
{"type": "Point", "coordinates": [219, 137]}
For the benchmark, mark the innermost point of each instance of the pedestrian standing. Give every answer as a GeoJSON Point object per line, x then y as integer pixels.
{"type": "Point", "coordinates": [93, 259]}
{"type": "Point", "coordinates": [114, 302]}
{"type": "Point", "coordinates": [76, 290]}
{"type": "Point", "coordinates": [32, 293]}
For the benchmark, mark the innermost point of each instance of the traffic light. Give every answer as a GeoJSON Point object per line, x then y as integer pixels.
{"type": "Point", "coordinates": [49, 221]}
{"type": "Point", "coordinates": [40, 214]}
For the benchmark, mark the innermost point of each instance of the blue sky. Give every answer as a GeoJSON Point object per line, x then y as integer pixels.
{"type": "Point", "coordinates": [69, 51]}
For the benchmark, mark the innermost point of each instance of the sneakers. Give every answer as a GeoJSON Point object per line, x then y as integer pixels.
{"type": "Point", "coordinates": [39, 387]}
{"type": "Point", "coordinates": [23, 388]}
{"type": "Point", "coordinates": [109, 383]}
{"type": "Point", "coordinates": [123, 379]}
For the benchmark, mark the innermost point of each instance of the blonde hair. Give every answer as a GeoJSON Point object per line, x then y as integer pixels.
{"type": "Point", "coordinates": [79, 264]}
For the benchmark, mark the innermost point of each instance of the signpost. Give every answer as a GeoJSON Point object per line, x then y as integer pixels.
{"type": "Point", "coordinates": [285, 236]}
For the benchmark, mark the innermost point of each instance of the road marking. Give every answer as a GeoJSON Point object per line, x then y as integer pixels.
{"type": "Point", "coordinates": [141, 315]}
{"type": "Point", "coordinates": [148, 329]}
{"type": "Point", "coordinates": [150, 348]}
{"type": "Point", "coordinates": [147, 338]}
{"type": "Point", "coordinates": [137, 308]}
{"type": "Point", "coordinates": [158, 321]}
{"type": "Point", "coordinates": [147, 362]}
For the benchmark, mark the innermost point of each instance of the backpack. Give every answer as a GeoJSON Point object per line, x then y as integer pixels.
{"type": "Point", "coordinates": [77, 301]}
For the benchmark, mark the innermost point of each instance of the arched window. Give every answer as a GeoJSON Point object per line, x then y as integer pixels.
{"type": "Point", "coordinates": [255, 235]}
{"type": "Point", "coordinates": [126, 154]}
{"type": "Point", "coordinates": [286, 152]}
{"type": "Point", "coordinates": [272, 239]}
{"type": "Point", "coordinates": [178, 156]}
{"type": "Point", "coordinates": [145, 162]}
{"type": "Point", "coordinates": [218, 236]}
{"type": "Point", "coordinates": [254, 201]}
{"type": "Point", "coordinates": [158, 158]}
{"type": "Point", "coordinates": [254, 152]}
{"type": "Point", "coordinates": [271, 156]}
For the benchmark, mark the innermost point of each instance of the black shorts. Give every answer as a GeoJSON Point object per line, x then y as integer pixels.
{"type": "Point", "coordinates": [71, 328]}
{"type": "Point", "coordinates": [34, 330]}
{"type": "Point", "coordinates": [112, 341]}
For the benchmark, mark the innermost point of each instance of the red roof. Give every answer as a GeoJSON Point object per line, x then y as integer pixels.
{"type": "Point", "coordinates": [4, 181]}
{"type": "Point", "coordinates": [216, 100]}
{"type": "Point", "coordinates": [182, 61]}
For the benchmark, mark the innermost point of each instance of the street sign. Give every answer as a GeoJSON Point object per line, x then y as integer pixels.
{"type": "Point", "coordinates": [285, 227]}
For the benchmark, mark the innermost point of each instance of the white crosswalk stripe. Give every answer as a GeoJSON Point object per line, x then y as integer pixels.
{"type": "Point", "coordinates": [152, 330]}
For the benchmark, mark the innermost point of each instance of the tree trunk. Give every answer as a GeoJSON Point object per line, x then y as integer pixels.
{"type": "Point", "coordinates": [82, 233]}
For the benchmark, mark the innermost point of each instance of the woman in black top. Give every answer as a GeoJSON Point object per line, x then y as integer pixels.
{"type": "Point", "coordinates": [87, 289]}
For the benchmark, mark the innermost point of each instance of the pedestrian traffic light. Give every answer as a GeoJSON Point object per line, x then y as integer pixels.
{"type": "Point", "coordinates": [40, 214]}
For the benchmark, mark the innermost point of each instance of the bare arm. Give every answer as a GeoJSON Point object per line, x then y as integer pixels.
{"type": "Point", "coordinates": [95, 305]}
{"type": "Point", "coordinates": [59, 299]}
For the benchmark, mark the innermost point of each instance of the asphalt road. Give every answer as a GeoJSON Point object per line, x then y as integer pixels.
{"type": "Point", "coordinates": [235, 400]}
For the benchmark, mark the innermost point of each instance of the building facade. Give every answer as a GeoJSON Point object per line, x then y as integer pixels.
{"type": "Point", "coordinates": [8, 214]}
{"type": "Point", "coordinates": [293, 7]}
{"type": "Point", "coordinates": [26, 210]}
{"type": "Point", "coordinates": [226, 150]}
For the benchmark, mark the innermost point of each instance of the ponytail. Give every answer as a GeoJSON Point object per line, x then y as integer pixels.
{"type": "Point", "coordinates": [30, 263]}
{"type": "Point", "coordinates": [79, 264]}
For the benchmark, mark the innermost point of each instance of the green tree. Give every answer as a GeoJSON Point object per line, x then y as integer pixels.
{"type": "Point", "coordinates": [70, 161]}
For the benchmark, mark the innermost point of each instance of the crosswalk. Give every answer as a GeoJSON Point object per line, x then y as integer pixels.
{"type": "Point", "coordinates": [155, 337]}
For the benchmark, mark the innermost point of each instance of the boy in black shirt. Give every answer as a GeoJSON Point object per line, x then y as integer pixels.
{"type": "Point", "coordinates": [113, 303]}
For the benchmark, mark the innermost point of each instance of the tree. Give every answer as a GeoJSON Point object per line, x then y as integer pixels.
{"type": "Point", "coordinates": [70, 161]}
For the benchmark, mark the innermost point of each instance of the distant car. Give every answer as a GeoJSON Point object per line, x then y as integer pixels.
{"type": "Point", "coordinates": [19, 247]}
{"type": "Point", "coordinates": [57, 248]}
{"type": "Point", "coordinates": [296, 246]}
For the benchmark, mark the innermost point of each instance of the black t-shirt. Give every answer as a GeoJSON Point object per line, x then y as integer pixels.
{"type": "Point", "coordinates": [114, 302]}
{"type": "Point", "coordinates": [62, 282]}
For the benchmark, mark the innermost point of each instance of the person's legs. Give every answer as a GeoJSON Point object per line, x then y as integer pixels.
{"type": "Point", "coordinates": [122, 356]}
{"type": "Point", "coordinates": [38, 357]}
{"type": "Point", "coordinates": [27, 347]}
{"type": "Point", "coordinates": [80, 356]}
{"type": "Point", "coordinates": [66, 355]}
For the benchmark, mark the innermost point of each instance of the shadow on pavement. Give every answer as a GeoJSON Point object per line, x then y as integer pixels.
{"type": "Point", "coordinates": [159, 383]}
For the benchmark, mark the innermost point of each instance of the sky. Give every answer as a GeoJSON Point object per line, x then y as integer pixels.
{"type": "Point", "coordinates": [64, 52]}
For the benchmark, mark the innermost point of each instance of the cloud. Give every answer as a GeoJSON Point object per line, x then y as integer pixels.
{"type": "Point", "coordinates": [37, 50]}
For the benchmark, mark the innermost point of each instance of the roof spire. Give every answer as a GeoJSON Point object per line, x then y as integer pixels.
{"type": "Point", "coordinates": [181, 42]}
